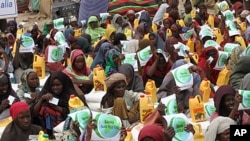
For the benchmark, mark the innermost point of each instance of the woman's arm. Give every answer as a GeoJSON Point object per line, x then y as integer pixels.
{"type": "Point", "coordinates": [6, 60]}
{"type": "Point", "coordinates": [38, 105]}
{"type": "Point", "coordinates": [17, 55]}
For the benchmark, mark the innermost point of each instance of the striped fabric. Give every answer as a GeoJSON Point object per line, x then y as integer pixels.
{"type": "Point", "coordinates": [122, 6]}
{"type": "Point", "coordinates": [92, 7]}
{"type": "Point", "coordinates": [22, 5]}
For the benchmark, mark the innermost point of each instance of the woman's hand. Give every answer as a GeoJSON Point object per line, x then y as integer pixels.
{"type": "Point", "coordinates": [176, 90]}
{"type": "Point", "coordinates": [91, 125]}
{"type": "Point", "coordinates": [123, 134]}
{"type": "Point", "coordinates": [161, 109]}
{"type": "Point", "coordinates": [237, 99]}
{"type": "Point", "coordinates": [4, 104]}
{"type": "Point", "coordinates": [47, 97]}
{"type": "Point", "coordinates": [169, 133]}
{"type": "Point", "coordinates": [190, 128]}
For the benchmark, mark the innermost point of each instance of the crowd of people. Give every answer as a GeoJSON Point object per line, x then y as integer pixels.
{"type": "Point", "coordinates": [101, 39]}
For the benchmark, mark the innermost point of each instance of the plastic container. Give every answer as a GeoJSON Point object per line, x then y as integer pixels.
{"type": "Point", "coordinates": [154, 27]}
{"type": "Point", "coordinates": [78, 32]}
{"type": "Point", "coordinates": [150, 88]}
{"type": "Point", "coordinates": [193, 13]}
{"type": "Point", "coordinates": [45, 137]}
{"type": "Point", "coordinates": [39, 66]}
{"type": "Point", "coordinates": [180, 22]}
{"type": "Point", "coordinates": [210, 21]}
{"type": "Point", "coordinates": [99, 77]}
{"type": "Point", "coordinates": [89, 60]}
{"type": "Point", "coordinates": [129, 136]}
{"type": "Point", "coordinates": [195, 58]}
{"type": "Point", "coordinates": [190, 44]}
{"type": "Point", "coordinates": [196, 107]}
{"type": "Point", "coordinates": [223, 77]}
{"type": "Point", "coordinates": [40, 135]}
{"type": "Point", "coordinates": [75, 102]}
{"type": "Point", "coordinates": [128, 32]}
{"type": "Point", "coordinates": [205, 89]}
{"type": "Point", "coordinates": [168, 33]}
{"type": "Point", "coordinates": [218, 35]}
{"type": "Point", "coordinates": [241, 41]}
{"type": "Point", "coordinates": [146, 107]}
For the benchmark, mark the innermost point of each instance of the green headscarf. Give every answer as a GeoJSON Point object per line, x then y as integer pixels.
{"type": "Point", "coordinates": [24, 86]}
{"type": "Point", "coordinates": [95, 33]}
{"type": "Point", "coordinates": [111, 67]}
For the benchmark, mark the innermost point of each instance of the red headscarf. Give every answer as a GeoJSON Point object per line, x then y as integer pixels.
{"type": "Point", "coordinates": [203, 60]}
{"type": "Point", "coordinates": [157, 72]}
{"type": "Point", "coordinates": [17, 108]}
{"type": "Point", "coordinates": [152, 131]}
{"type": "Point", "coordinates": [75, 53]}
{"type": "Point", "coordinates": [11, 36]}
{"type": "Point", "coordinates": [237, 5]}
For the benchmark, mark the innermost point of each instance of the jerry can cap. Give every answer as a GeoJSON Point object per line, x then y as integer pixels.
{"type": "Point", "coordinates": [72, 96]}
{"type": "Point", "coordinates": [142, 96]}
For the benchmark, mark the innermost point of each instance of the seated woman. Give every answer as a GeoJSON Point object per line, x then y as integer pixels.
{"type": "Point", "coordinates": [118, 23]}
{"type": "Point", "coordinates": [53, 66]}
{"type": "Point", "coordinates": [226, 102]}
{"type": "Point", "coordinates": [118, 101]}
{"type": "Point", "coordinates": [99, 59]}
{"type": "Point", "coordinates": [169, 87]}
{"type": "Point", "coordinates": [156, 41]}
{"type": "Point", "coordinates": [135, 82]}
{"type": "Point", "coordinates": [58, 87]}
{"type": "Point", "coordinates": [79, 73]}
{"type": "Point", "coordinates": [207, 66]}
{"type": "Point", "coordinates": [218, 129]}
{"type": "Point", "coordinates": [6, 91]}
{"type": "Point", "coordinates": [156, 68]}
{"type": "Point", "coordinates": [28, 90]}
{"type": "Point", "coordinates": [113, 61]}
{"type": "Point", "coordinates": [20, 128]}
{"type": "Point", "coordinates": [94, 29]}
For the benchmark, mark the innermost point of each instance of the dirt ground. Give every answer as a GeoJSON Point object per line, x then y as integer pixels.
{"type": "Point", "coordinates": [29, 18]}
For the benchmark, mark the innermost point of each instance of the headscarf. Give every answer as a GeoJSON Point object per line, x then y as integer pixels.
{"type": "Point", "coordinates": [17, 108]}
{"type": "Point", "coordinates": [202, 63]}
{"type": "Point", "coordinates": [157, 73]}
{"type": "Point", "coordinates": [68, 32]}
{"type": "Point", "coordinates": [13, 23]}
{"type": "Point", "coordinates": [237, 5]}
{"type": "Point", "coordinates": [136, 83]}
{"type": "Point", "coordinates": [84, 44]}
{"type": "Point", "coordinates": [245, 84]}
{"type": "Point", "coordinates": [13, 131]}
{"type": "Point", "coordinates": [115, 77]}
{"type": "Point", "coordinates": [241, 69]}
{"type": "Point", "coordinates": [145, 18]}
{"type": "Point", "coordinates": [220, 93]}
{"type": "Point", "coordinates": [139, 31]}
{"type": "Point", "coordinates": [99, 58]}
{"type": "Point", "coordinates": [71, 71]}
{"type": "Point", "coordinates": [218, 126]}
{"type": "Point", "coordinates": [67, 86]}
{"type": "Point", "coordinates": [111, 67]}
{"type": "Point", "coordinates": [9, 36]}
{"type": "Point", "coordinates": [24, 86]}
{"type": "Point", "coordinates": [152, 131]}
{"type": "Point", "coordinates": [160, 44]}
{"type": "Point", "coordinates": [108, 32]}
{"type": "Point", "coordinates": [3, 77]}
{"type": "Point", "coordinates": [95, 33]}
{"type": "Point", "coordinates": [117, 26]}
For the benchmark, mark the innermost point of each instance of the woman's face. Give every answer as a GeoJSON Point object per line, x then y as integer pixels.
{"type": "Point", "coordinates": [119, 20]}
{"type": "Point", "coordinates": [227, 102]}
{"type": "Point", "coordinates": [152, 40]}
{"type": "Point", "coordinates": [93, 24]}
{"type": "Point", "coordinates": [79, 62]}
{"type": "Point", "coordinates": [24, 119]}
{"type": "Point", "coordinates": [225, 136]}
{"type": "Point", "coordinates": [57, 86]}
{"type": "Point", "coordinates": [4, 84]}
{"type": "Point", "coordinates": [162, 63]}
{"type": "Point", "coordinates": [166, 24]}
{"type": "Point", "coordinates": [33, 80]}
{"type": "Point", "coordinates": [131, 17]}
{"type": "Point", "coordinates": [119, 89]}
